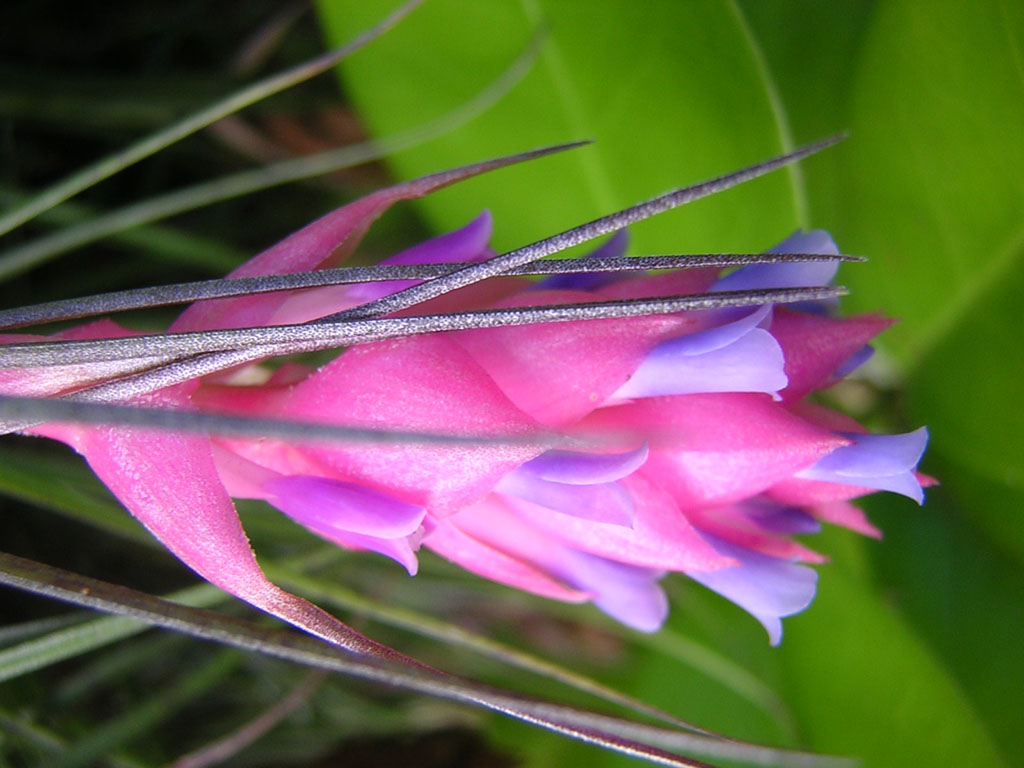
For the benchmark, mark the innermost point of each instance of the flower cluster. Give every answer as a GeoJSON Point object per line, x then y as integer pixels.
{"type": "Point", "coordinates": [695, 447]}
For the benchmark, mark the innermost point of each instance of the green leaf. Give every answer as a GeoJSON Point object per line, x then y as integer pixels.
{"type": "Point", "coordinates": [68, 643]}
{"type": "Point", "coordinates": [670, 77]}
{"type": "Point", "coordinates": [161, 705]}
{"type": "Point", "coordinates": [935, 172]}
{"type": "Point", "coordinates": [972, 613]}
{"type": "Point", "coordinates": [863, 682]}
{"type": "Point", "coordinates": [150, 145]}
{"type": "Point", "coordinates": [963, 388]}
{"type": "Point", "coordinates": [62, 483]}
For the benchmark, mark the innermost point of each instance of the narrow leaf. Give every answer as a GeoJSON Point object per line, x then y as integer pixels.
{"type": "Point", "coordinates": [112, 164]}
{"type": "Point", "coordinates": [183, 293]}
{"type": "Point", "coordinates": [207, 193]}
{"type": "Point", "coordinates": [600, 730]}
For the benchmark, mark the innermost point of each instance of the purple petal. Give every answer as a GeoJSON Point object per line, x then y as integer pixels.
{"type": "Point", "coordinates": [578, 468]}
{"type": "Point", "coordinates": [601, 502]}
{"type": "Point", "coordinates": [332, 507]}
{"type": "Point", "coordinates": [612, 248]}
{"type": "Point", "coordinates": [401, 550]}
{"type": "Point", "coordinates": [787, 275]}
{"type": "Point", "coordinates": [854, 361]}
{"type": "Point", "coordinates": [735, 357]}
{"type": "Point", "coordinates": [466, 244]}
{"type": "Point", "coordinates": [732, 326]}
{"type": "Point", "coordinates": [880, 462]}
{"type": "Point", "coordinates": [814, 241]}
{"type": "Point", "coordinates": [765, 587]}
{"type": "Point", "coordinates": [625, 592]}
{"type": "Point", "coordinates": [776, 518]}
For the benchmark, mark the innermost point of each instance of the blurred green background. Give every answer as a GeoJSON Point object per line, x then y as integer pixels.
{"type": "Point", "coordinates": [911, 655]}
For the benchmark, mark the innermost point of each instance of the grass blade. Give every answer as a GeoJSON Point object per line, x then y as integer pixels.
{"type": "Point", "coordinates": [601, 730]}
{"type": "Point", "coordinates": [112, 164]}
{"type": "Point", "coordinates": [37, 251]}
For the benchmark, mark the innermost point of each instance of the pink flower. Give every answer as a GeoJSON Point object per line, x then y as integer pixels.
{"type": "Point", "coordinates": [709, 461]}
{"type": "Point", "coordinates": [720, 462]}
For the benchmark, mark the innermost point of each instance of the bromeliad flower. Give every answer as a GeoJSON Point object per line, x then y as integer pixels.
{"type": "Point", "coordinates": [722, 460]}
{"type": "Point", "coordinates": [593, 455]}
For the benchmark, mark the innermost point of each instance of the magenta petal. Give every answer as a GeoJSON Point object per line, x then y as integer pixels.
{"type": "Point", "coordinates": [765, 587]}
{"type": "Point", "coordinates": [423, 384]}
{"type": "Point", "coordinates": [402, 550]}
{"type": "Point", "coordinates": [57, 379]}
{"type": "Point", "coordinates": [489, 539]}
{"type": "Point", "coordinates": [579, 363]}
{"type": "Point", "coordinates": [818, 349]}
{"type": "Point", "coordinates": [716, 449]}
{"type": "Point", "coordinates": [325, 242]}
{"type": "Point", "coordinates": [847, 515]}
{"type": "Point", "coordinates": [169, 483]}
{"type": "Point", "coordinates": [323, 504]}
{"type": "Point", "coordinates": [626, 592]}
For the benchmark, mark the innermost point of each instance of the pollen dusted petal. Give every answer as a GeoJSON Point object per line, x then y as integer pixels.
{"type": "Point", "coordinates": [732, 461]}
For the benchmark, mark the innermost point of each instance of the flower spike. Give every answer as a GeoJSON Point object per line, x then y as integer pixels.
{"type": "Point", "coordinates": [576, 439]}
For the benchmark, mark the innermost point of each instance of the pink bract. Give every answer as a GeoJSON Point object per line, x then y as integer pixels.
{"type": "Point", "coordinates": [705, 457]}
